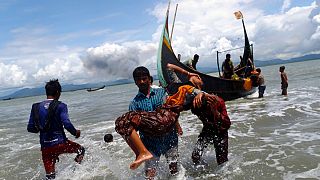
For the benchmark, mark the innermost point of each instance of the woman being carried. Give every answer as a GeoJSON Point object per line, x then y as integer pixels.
{"type": "Point", "coordinates": [166, 116]}
{"type": "Point", "coordinates": [158, 122]}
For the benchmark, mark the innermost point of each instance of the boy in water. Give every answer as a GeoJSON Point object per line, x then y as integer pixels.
{"type": "Point", "coordinates": [262, 86]}
{"type": "Point", "coordinates": [284, 81]}
{"type": "Point", "coordinates": [50, 117]}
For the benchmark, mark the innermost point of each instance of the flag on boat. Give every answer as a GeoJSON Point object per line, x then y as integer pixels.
{"type": "Point", "coordinates": [238, 14]}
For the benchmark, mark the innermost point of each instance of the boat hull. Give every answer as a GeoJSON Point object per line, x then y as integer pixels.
{"type": "Point", "coordinates": [225, 88]}
{"type": "Point", "coordinates": [95, 89]}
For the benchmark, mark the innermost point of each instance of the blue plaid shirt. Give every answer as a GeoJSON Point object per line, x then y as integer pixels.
{"type": "Point", "coordinates": [160, 144]}
{"type": "Point", "coordinates": [143, 103]}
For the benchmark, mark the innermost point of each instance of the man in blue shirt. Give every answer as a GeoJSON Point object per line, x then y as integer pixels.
{"type": "Point", "coordinates": [148, 99]}
{"type": "Point", "coordinates": [50, 117]}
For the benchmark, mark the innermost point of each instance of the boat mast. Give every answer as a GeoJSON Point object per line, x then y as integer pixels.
{"type": "Point", "coordinates": [218, 63]}
{"type": "Point", "coordinates": [251, 51]}
{"type": "Point", "coordinates": [174, 19]}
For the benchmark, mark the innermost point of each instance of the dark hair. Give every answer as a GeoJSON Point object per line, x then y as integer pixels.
{"type": "Point", "coordinates": [140, 71]}
{"type": "Point", "coordinates": [282, 67]}
{"type": "Point", "coordinates": [258, 70]}
{"type": "Point", "coordinates": [151, 79]}
{"type": "Point", "coordinates": [108, 138]}
{"type": "Point", "coordinates": [195, 56]}
{"type": "Point", "coordinates": [53, 87]}
{"type": "Point", "coordinates": [228, 55]}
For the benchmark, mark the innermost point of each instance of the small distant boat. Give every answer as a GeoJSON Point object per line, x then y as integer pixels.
{"type": "Point", "coordinates": [225, 88]}
{"type": "Point", "coordinates": [95, 89]}
{"type": "Point", "coordinates": [6, 99]}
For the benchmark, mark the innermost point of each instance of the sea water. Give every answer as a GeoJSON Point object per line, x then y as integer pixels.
{"type": "Point", "coordinates": [275, 137]}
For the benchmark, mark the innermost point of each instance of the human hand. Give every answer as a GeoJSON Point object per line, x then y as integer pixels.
{"type": "Point", "coordinates": [212, 99]}
{"type": "Point", "coordinates": [78, 133]}
{"type": "Point", "coordinates": [197, 101]}
{"type": "Point", "coordinates": [193, 74]}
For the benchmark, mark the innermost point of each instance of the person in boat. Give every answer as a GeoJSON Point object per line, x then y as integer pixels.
{"type": "Point", "coordinates": [249, 68]}
{"type": "Point", "coordinates": [192, 63]}
{"type": "Point", "coordinates": [262, 86]}
{"type": "Point", "coordinates": [179, 57]}
{"type": "Point", "coordinates": [227, 67]}
{"type": "Point", "coordinates": [50, 117]}
{"type": "Point", "coordinates": [240, 65]}
{"type": "Point", "coordinates": [284, 80]}
{"type": "Point", "coordinates": [239, 69]}
{"type": "Point", "coordinates": [153, 85]}
{"type": "Point", "coordinates": [244, 69]}
{"type": "Point", "coordinates": [148, 100]}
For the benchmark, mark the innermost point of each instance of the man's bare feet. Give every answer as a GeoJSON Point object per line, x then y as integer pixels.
{"type": "Point", "coordinates": [140, 159]}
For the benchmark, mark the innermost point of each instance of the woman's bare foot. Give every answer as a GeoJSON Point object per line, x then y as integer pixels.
{"type": "Point", "coordinates": [140, 159]}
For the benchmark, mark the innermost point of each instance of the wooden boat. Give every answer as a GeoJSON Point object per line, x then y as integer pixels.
{"type": "Point", "coordinates": [95, 89]}
{"type": "Point", "coordinates": [225, 88]}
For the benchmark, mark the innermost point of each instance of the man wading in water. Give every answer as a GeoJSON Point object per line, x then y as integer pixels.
{"type": "Point", "coordinates": [50, 117]}
{"type": "Point", "coordinates": [209, 108]}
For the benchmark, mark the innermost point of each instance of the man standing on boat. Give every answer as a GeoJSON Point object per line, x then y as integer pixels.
{"type": "Point", "coordinates": [227, 67]}
{"type": "Point", "coordinates": [179, 57]}
{"type": "Point", "coordinates": [50, 117]}
{"type": "Point", "coordinates": [192, 63]}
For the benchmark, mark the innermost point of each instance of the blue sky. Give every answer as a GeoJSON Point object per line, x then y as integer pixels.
{"type": "Point", "coordinates": [67, 16]}
{"type": "Point", "coordinates": [81, 41]}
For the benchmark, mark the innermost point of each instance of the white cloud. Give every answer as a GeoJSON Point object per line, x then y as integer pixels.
{"type": "Point", "coordinates": [112, 61]}
{"type": "Point", "coordinates": [286, 4]}
{"type": "Point", "coordinates": [11, 75]}
{"type": "Point", "coordinates": [316, 35]}
{"type": "Point", "coordinates": [69, 69]}
{"type": "Point", "coordinates": [42, 56]}
{"type": "Point", "coordinates": [203, 27]}
{"type": "Point", "coordinates": [286, 35]}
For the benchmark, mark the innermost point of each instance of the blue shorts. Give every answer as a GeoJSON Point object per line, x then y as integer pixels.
{"type": "Point", "coordinates": [161, 145]}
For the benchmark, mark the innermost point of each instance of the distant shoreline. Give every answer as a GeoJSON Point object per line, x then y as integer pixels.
{"type": "Point", "coordinates": [29, 92]}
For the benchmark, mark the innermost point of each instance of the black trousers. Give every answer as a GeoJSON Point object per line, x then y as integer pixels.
{"type": "Point", "coordinates": [261, 91]}
{"type": "Point", "coordinates": [209, 136]}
